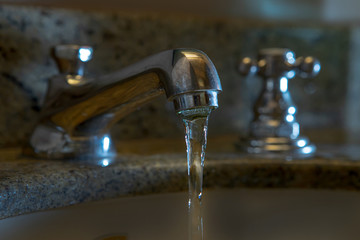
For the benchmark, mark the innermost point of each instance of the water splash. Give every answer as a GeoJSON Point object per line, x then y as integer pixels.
{"type": "Point", "coordinates": [195, 122]}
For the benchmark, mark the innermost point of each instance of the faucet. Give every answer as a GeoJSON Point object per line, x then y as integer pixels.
{"type": "Point", "coordinates": [274, 131]}
{"type": "Point", "coordinates": [78, 111]}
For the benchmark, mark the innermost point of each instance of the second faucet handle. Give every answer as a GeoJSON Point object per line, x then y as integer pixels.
{"type": "Point", "coordinates": [274, 130]}
{"type": "Point", "coordinates": [274, 62]}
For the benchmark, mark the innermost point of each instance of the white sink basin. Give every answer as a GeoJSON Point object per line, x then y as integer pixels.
{"type": "Point", "coordinates": [240, 214]}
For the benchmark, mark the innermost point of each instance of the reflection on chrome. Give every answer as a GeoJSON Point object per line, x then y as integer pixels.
{"type": "Point", "coordinates": [301, 143]}
{"type": "Point", "coordinates": [292, 110]}
{"type": "Point", "coordinates": [290, 118]}
{"type": "Point", "coordinates": [283, 84]}
{"type": "Point", "coordinates": [106, 144]}
{"type": "Point", "coordinates": [85, 54]}
{"type": "Point", "coordinates": [317, 67]}
{"type": "Point", "coordinates": [290, 57]}
{"type": "Point", "coordinates": [291, 74]}
{"type": "Point", "coordinates": [296, 130]}
{"type": "Point", "coordinates": [307, 150]}
{"type": "Point", "coordinates": [105, 162]}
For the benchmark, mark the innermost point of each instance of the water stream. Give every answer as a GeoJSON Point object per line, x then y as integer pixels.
{"type": "Point", "coordinates": [195, 122]}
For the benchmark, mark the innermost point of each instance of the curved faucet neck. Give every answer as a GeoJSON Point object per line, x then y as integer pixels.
{"type": "Point", "coordinates": [186, 76]}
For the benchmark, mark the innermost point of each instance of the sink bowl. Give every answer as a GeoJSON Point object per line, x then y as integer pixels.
{"type": "Point", "coordinates": [229, 214]}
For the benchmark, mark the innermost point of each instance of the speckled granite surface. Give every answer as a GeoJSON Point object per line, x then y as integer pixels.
{"type": "Point", "coordinates": [28, 185]}
{"type": "Point", "coordinates": [27, 35]}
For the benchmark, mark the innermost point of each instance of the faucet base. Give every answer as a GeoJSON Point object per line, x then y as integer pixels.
{"type": "Point", "coordinates": [278, 147]}
{"type": "Point", "coordinates": [50, 143]}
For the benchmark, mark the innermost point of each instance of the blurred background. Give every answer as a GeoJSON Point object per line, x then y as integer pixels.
{"type": "Point", "coordinates": [123, 32]}
{"type": "Point", "coordinates": [308, 10]}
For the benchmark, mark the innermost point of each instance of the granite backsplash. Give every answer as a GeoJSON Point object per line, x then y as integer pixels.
{"type": "Point", "coordinates": [28, 33]}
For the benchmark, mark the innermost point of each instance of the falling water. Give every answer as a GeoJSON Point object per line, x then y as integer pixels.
{"type": "Point", "coordinates": [195, 122]}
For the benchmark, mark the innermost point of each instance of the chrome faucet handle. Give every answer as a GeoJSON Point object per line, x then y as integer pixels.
{"type": "Point", "coordinates": [71, 60]}
{"type": "Point", "coordinates": [274, 131]}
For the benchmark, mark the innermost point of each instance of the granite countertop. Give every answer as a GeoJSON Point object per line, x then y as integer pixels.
{"type": "Point", "coordinates": [28, 185]}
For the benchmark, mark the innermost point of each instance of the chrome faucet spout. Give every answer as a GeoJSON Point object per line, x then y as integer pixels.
{"type": "Point", "coordinates": [79, 112]}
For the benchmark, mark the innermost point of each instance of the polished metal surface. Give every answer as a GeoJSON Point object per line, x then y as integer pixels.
{"type": "Point", "coordinates": [274, 131]}
{"type": "Point", "coordinates": [71, 60]}
{"type": "Point", "coordinates": [79, 111]}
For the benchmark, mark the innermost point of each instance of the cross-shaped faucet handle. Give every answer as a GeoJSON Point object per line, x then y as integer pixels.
{"type": "Point", "coordinates": [274, 130]}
